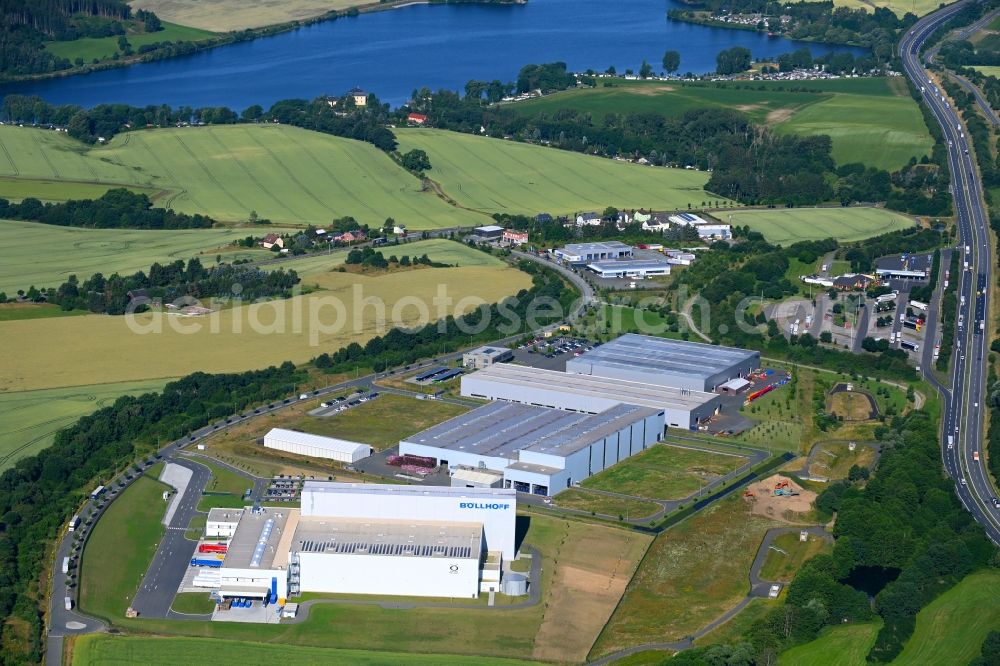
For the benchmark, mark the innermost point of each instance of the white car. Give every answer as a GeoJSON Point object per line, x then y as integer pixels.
{"type": "Point", "coordinates": [774, 591]}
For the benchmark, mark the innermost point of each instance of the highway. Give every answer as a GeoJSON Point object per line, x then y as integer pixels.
{"type": "Point", "coordinates": [962, 417]}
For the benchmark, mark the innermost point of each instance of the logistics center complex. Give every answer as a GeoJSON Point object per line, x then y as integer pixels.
{"type": "Point", "coordinates": [351, 538]}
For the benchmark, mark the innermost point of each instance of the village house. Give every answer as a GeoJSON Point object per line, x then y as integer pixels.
{"type": "Point", "coordinates": [359, 96]}
{"type": "Point", "coordinates": [514, 237]}
{"type": "Point", "coordinates": [590, 219]}
{"type": "Point", "coordinates": [272, 240]}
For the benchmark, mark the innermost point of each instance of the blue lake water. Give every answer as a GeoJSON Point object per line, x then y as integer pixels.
{"type": "Point", "coordinates": [393, 52]}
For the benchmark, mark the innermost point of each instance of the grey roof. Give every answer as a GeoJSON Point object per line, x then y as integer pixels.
{"type": "Point", "coordinates": [502, 429]}
{"type": "Point", "coordinates": [315, 534]}
{"type": "Point", "coordinates": [652, 355]}
{"type": "Point", "coordinates": [418, 491]}
{"type": "Point", "coordinates": [489, 350]}
{"type": "Point", "coordinates": [627, 265]}
{"type": "Point", "coordinates": [906, 262]}
{"type": "Point", "coordinates": [654, 396]}
{"type": "Point", "coordinates": [606, 246]}
{"type": "Point", "coordinates": [254, 544]}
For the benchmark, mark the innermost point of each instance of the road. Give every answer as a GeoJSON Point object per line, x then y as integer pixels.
{"type": "Point", "coordinates": [962, 416]}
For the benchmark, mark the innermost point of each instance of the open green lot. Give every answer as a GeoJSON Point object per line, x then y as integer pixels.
{"type": "Point", "coordinates": [224, 480]}
{"type": "Point", "coordinates": [899, 7]}
{"type": "Point", "coordinates": [90, 48]}
{"type": "Point", "coordinates": [845, 645]}
{"type": "Point", "coordinates": [787, 225]}
{"type": "Point", "coordinates": [664, 472]}
{"type": "Point", "coordinates": [496, 176]}
{"type": "Point", "coordinates": [29, 419]}
{"type": "Point", "coordinates": [951, 629]}
{"type": "Point", "coordinates": [692, 574]}
{"type": "Point", "coordinates": [870, 120]}
{"type": "Point", "coordinates": [625, 507]}
{"type": "Point", "coordinates": [120, 548]}
{"type": "Point", "coordinates": [781, 565]}
{"type": "Point", "coordinates": [384, 421]}
{"type": "Point", "coordinates": [834, 460]}
{"type": "Point", "coordinates": [102, 649]}
{"type": "Point", "coordinates": [285, 174]}
{"type": "Point", "coordinates": [192, 603]}
{"type": "Point", "coordinates": [45, 255]}
{"type": "Point", "coordinates": [987, 70]}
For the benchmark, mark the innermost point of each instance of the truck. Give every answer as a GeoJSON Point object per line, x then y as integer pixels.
{"type": "Point", "coordinates": [98, 491]}
{"type": "Point", "coordinates": [303, 396]}
{"type": "Point", "coordinates": [213, 548]}
{"type": "Point", "coordinates": [65, 566]}
{"type": "Point", "coordinates": [207, 560]}
{"type": "Point", "coordinates": [74, 522]}
{"type": "Point", "coordinates": [911, 346]}
{"type": "Point", "coordinates": [975, 456]}
{"type": "Point", "coordinates": [951, 442]}
{"type": "Point", "coordinates": [68, 603]}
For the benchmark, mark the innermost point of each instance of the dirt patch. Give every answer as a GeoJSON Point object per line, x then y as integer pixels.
{"type": "Point", "coordinates": [778, 116]}
{"type": "Point", "coordinates": [649, 91]}
{"type": "Point", "coordinates": [787, 508]}
{"type": "Point", "coordinates": [747, 108]}
{"type": "Point", "coordinates": [586, 586]}
{"type": "Point", "coordinates": [851, 406]}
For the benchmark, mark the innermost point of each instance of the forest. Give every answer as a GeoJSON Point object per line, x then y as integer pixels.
{"type": "Point", "coordinates": [115, 209]}
{"type": "Point", "coordinates": [174, 283]}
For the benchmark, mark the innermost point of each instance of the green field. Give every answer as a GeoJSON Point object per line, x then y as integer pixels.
{"type": "Point", "coordinates": [899, 7]}
{"type": "Point", "coordinates": [988, 71]}
{"type": "Point", "coordinates": [951, 629]}
{"type": "Point", "coordinates": [787, 225]}
{"type": "Point", "coordinates": [285, 174]}
{"type": "Point", "coordinates": [90, 48]}
{"type": "Point", "coordinates": [624, 507]}
{"type": "Point", "coordinates": [102, 649]}
{"type": "Point", "coordinates": [496, 176]}
{"type": "Point", "coordinates": [782, 566]}
{"type": "Point", "coordinates": [871, 120]}
{"type": "Point", "coordinates": [44, 255]}
{"type": "Point", "coordinates": [110, 573]}
{"type": "Point", "coordinates": [192, 603]}
{"type": "Point", "coordinates": [664, 472]}
{"type": "Point", "coordinates": [845, 645]}
{"type": "Point", "coordinates": [30, 419]}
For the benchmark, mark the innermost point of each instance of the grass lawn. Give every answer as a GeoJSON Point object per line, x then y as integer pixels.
{"type": "Point", "coordinates": [871, 120]}
{"type": "Point", "coordinates": [384, 421]}
{"type": "Point", "coordinates": [196, 528]}
{"type": "Point", "coordinates": [496, 176]}
{"type": "Point", "coordinates": [29, 420]}
{"type": "Point", "coordinates": [102, 649]}
{"type": "Point", "coordinates": [575, 498]}
{"type": "Point", "coordinates": [951, 629]}
{"type": "Point", "coordinates": [845, 645]}
{"type": "Point", "coordinates": [224, 480]}
{"type": "Point", "coordinates": [83, 252]}
{"type": "Point", "coordinates": [226, 15]}
{"type": "Point", "coordinates": [240, 338]}
{"type": "Point", "coordinates": [90, 48]}
{"type": "Point", "coordinates": [787, 225]}
{"type": "Point", "coordinates": [228, 501]}
{"type": "Point", "coordinates": [733, 632]}
{"type": "Point", "coordinates": [693, 573]}
{"type": "Point", "coordinates": [837, 460]}
{"type": "Point", "coordinates": [15, 311]}
{"type": "Point", "coordinates": [192, 603]}
{"type": "Point", "coordinates": [584, 572]}
{"type": "Point", "coordinates": [286, 174]}
{"type": "Point", "coordinates": [664, 472]}
{"type": "Point", "coordinates": [899, 7]}
{"type": "Point", "coordinates": [120, 548]}
{"type": "Point", "coordinates": [988, 70]}
{"type": "Point", "coordinates": [783, 566]}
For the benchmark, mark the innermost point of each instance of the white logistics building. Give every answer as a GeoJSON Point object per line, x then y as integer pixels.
{"type": "Point", "coordinates": [651, 360]}
{"type": "Point", "coordinates": [316, 446]}
{"type": "Point", "coordinates": [682, 408]}
{"type": "Point", "coordinates": [575, 253]}
{"type": "Point", "coordinates": [539, 450]}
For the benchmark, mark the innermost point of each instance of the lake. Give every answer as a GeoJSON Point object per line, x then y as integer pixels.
{"type": "Point", "coordinates": [393, 52]}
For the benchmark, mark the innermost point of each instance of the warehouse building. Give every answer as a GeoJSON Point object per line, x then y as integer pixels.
{"type": "Point", "coordinates": [486, 356]}
{"type": "Point", "coordinates": [316, 446]}
{"type": "Point", "coordinates": [582, 253]}
{"type": "Point", "coordinates": [651, 360]}
{"type": "Point", "coordinates": [487, 234]}
{"type": "Point", "coordinates": [538, 450]}
{"type": "Point", "coordinates": [627, 268]}
{"type": "Point", "coordinates": [682, 408]}
{"type": "Point", "coordinates": [904, 267]}
{"type": "Point", "coordinates": [370, 539]}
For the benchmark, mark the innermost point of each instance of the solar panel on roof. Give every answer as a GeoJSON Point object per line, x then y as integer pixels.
{"type": "Point", "coordinates": [430, 373]}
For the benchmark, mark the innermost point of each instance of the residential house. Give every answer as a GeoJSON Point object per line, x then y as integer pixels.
{"type": "Point", "coordinates": [514, 237]}
{"type": "Point", "coordinates": [590, 219]}
{"type": "Point", "coordinates": [399, 229]}
{"type": "Point", "coordinates": [272, 240]}
{"type": "Point", "coordinates": [350, 237]}
{"type": "Point", "coordinates": [359, 96]}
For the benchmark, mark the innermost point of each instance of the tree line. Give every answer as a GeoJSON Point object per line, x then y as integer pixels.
{"type": "Point", "coordinates": [170, 283]}
{"type": "Point", "coordinates": [116, 209]}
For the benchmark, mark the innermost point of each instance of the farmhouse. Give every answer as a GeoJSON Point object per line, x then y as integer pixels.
{"type": "Point", "coordinates": [538, 449]}
{"type": "Point", "coordinates": [576, 253]}
{"type": "Point", "coordinates": [590, 394]}
{"type": "Point", "coordinates": [272, 240]}
{"type": "Point", "coordinates": [687, 365]}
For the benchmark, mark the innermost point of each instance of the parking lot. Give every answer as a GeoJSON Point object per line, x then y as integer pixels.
{"type": "Point", "coordinates": [283, 489]}
{"type": "Point", "coordinates": [552, 353]}
{"type": "Point", "coordinates": [342, 403]}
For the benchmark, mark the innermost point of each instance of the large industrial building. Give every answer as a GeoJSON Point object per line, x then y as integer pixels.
{"type": "Point", "coordinates": [539, 450]}
{"type": "Point", "coordinates": [651, 360]}
{"type": "Point", "coordinates": [682, 408]}
{"type": "Point", "coordinates": [316, 446]}
{"type": "Point", "coordinates": [577, 253]}
{"type": "Point", "coordinates": [629, 268]}
{"type": "Point", "coordinates": [367, 539]}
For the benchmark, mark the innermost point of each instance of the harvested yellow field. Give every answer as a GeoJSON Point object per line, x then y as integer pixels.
{"type": "Point", "coordinates": [95, 349]}
{"type": "Point", "coordinates": [226, 15]}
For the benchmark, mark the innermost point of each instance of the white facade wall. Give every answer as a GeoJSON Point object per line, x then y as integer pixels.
{"type": "Point", "coordinates": [389, 575]}
{"type": "Point", "coordinates": [254, 578]}
{"type": "Point", "coordinates": [494, 508]}
{"type": "Point", "coordinates": [316, 446]}
{"type": "Point", "coordinates": [217, 528]}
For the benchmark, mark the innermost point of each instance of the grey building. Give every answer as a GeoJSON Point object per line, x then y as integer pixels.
{"type": "Point", "coordinates": [905, 266]}
{"type": "Point", "coordinates": [682, 408]}
{"type": "Point", "coordinates": [537, 449]}
{"type": "Point", "coordinates": [651, 360]}
{"type": "Point", "coordinates": [486, 356]}
{"type": "Point", "coordinates": [576, 253]}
